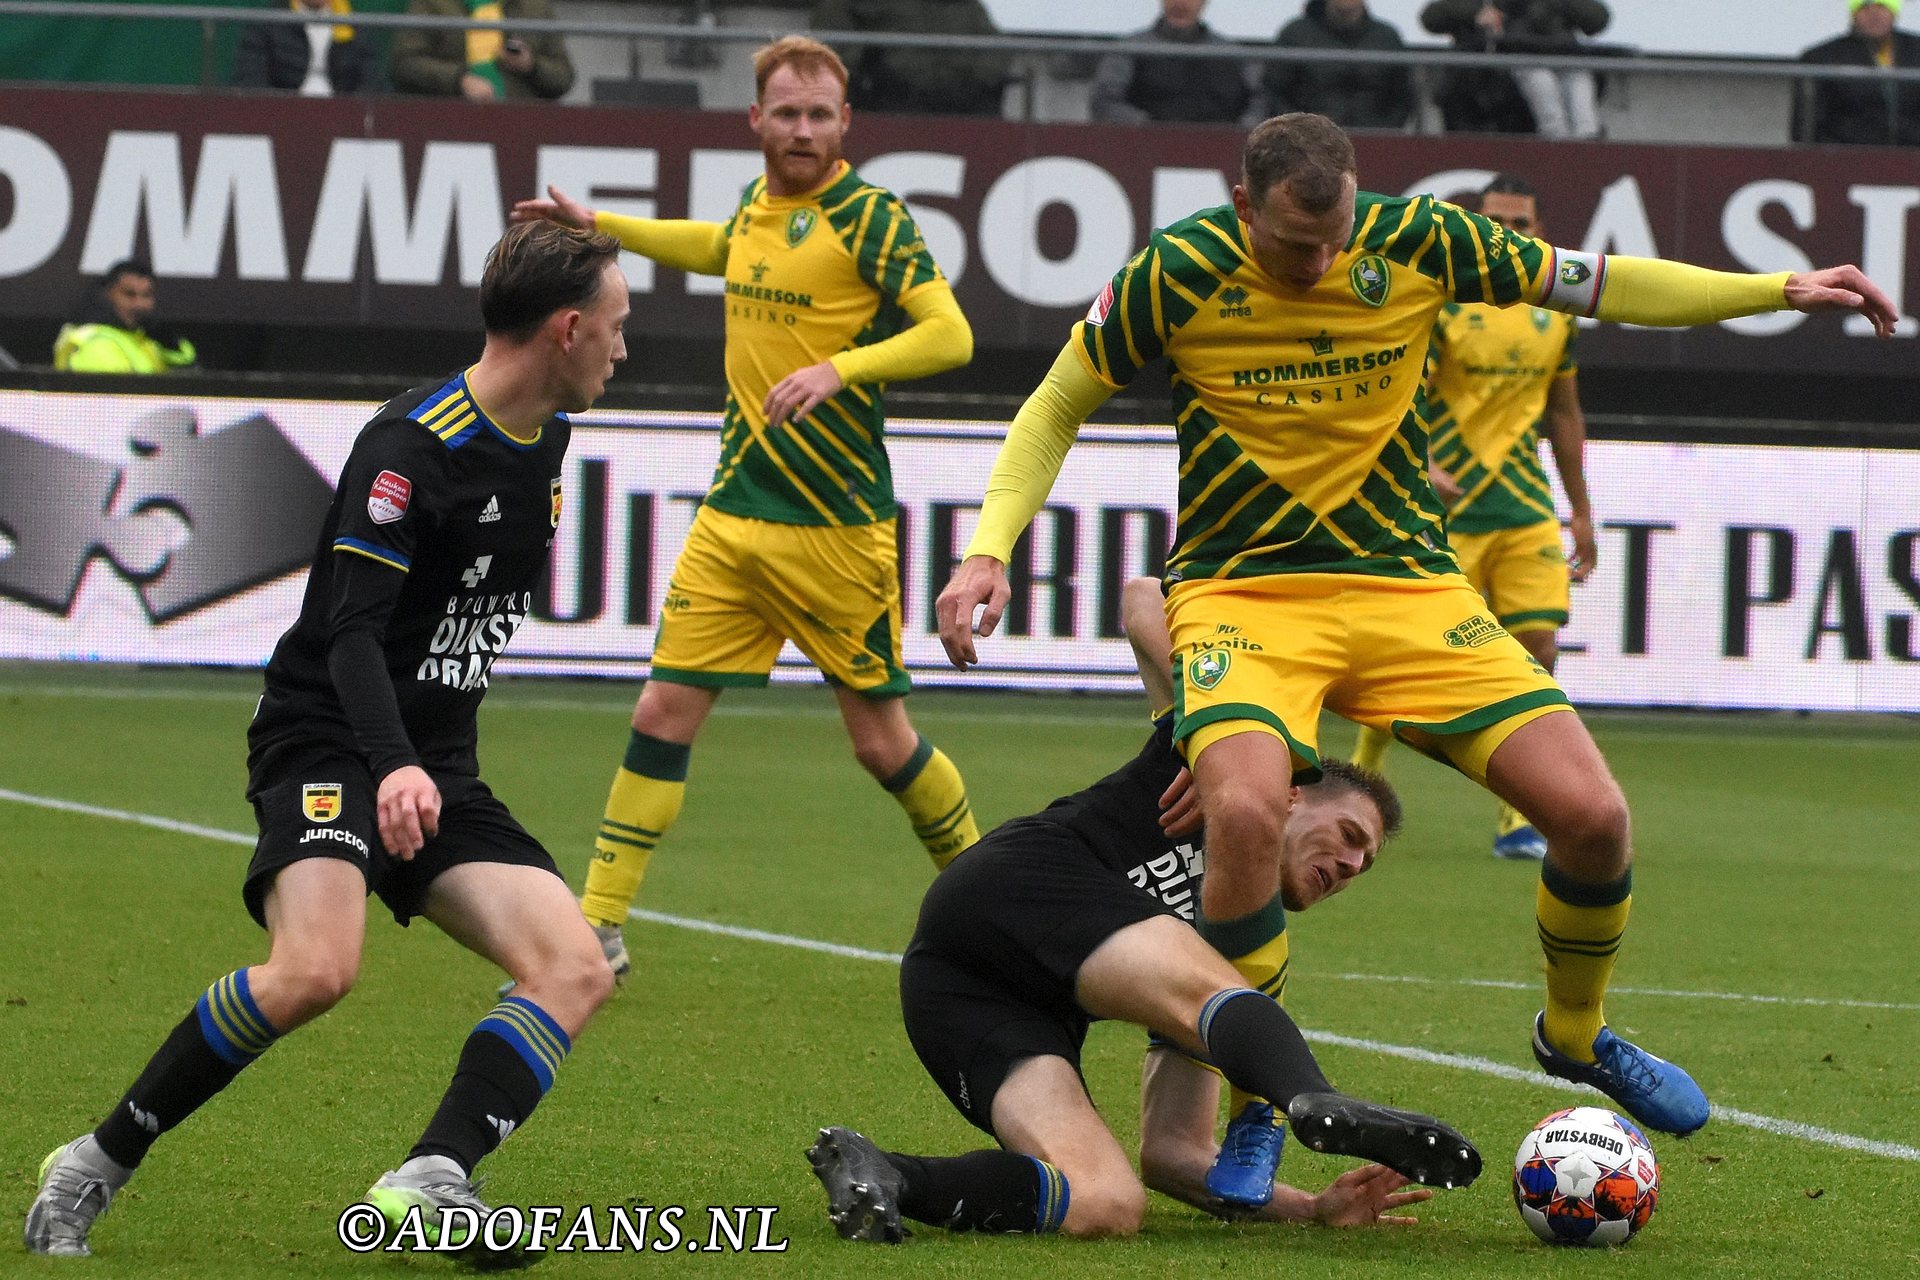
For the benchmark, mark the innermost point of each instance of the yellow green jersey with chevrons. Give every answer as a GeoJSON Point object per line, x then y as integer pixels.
{"type": "Point", "coordinates": [1492, 370]}
{"type": "Point", "coordinates": [1297, 411]}
{"type": "Point", "coordinates": [808, 277]}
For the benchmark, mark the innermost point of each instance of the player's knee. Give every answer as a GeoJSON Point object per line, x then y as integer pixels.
{"type": "Point", "coordinates": [1596, 821]}
{"type": "Point", "coordinates": [582, 982]}
{"type": "Point", "coordinates": [1105, 1207]}
{"type": "Point", "coordinates": [314, 986]}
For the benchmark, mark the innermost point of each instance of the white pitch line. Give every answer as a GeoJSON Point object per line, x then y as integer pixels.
{"type": "Point", "coordinates": [1461, 1062]}
{"type": "Point", "coordinates": [1507, 984]}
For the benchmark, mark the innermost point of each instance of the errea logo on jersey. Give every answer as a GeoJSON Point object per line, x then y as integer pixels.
{"type": "Point", "coordinates": [1233, 304]}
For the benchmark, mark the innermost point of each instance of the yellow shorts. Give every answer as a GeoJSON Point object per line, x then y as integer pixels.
{"type": "Point", "coordinates": [741, 587]}
{"type": "Point", "coordinates": [1419, 658]}
{"type": "Point", "coordinates": [1522, 573]}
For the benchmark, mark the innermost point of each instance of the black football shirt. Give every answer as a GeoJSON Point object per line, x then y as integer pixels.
{"type": "Point", "coordinates": [427, 562]}
{"type": "Point", "coordinates": [1119, 819]}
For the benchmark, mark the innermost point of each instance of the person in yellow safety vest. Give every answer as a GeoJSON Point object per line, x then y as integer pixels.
{"type": "Point", "coordinates": [118, 333]}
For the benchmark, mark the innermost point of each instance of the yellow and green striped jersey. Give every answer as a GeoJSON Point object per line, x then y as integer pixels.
{"type": "Point", "coordinates": [1302, 446]}
{"type": "Point", "coordinates": [1492, 370]}
{"type": "Point", "coordinates": [808, 277]}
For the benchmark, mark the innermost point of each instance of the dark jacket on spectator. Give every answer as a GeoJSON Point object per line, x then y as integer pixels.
{"type": "Point", "coordinates": [1180, 90]}
{"type": "Point", "coordinates": [923, 81]}
{"type": "Point", "coordinates": [1351, 94]}
{"type": "Point", "coordinates": [275, 57]}
{"type": "Point", "coordinates": [1856, 111]}
{"type": "Point", "coordinates": [435, 61]}
{"type": "Point", "coordinates": [1535, 23]}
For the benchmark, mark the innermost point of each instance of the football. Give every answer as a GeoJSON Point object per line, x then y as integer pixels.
{"type": "Point", "coordinates": [1585, 1176]}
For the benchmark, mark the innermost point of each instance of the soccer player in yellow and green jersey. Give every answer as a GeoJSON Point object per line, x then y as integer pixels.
{"type": "Point", "coordinates": [1309, 567]}
{"type": "Point", "coordinates": [830, 294]}
{"type": "Point", "coordinates": [1494, 376]}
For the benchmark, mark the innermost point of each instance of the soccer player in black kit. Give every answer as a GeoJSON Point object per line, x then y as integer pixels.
{"type": "Point", "coordinates": [1082, 912]}
{"type": "Point", "coordinates": [362, 766]}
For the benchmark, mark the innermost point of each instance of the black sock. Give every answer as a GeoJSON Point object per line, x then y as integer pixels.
{"type": "Point", "coordinates": [205, 1051]}
{"type": "Point", "coordinates": [991, 1191]}
{"type": "Point", "coordinates": [496, 1085]}
{"type": "Point", "coordinates": [1258, 1048]}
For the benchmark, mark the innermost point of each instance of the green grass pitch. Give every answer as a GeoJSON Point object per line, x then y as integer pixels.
{"type": "Point", "coordinates": [1771, 951]}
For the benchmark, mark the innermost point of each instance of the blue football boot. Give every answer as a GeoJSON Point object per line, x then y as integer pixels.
{"type": "Point", "coordinates": [1242, 1175]}
{"type": "Point", "coordinates": [1652, 1090]}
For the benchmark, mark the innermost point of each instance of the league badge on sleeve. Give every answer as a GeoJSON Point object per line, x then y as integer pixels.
{"type": "Point", "coordinates": [388, 497]}
{"type": "Point", "coordinates": [1097, 313]}
{"type": "Point", "coordinates": [555, 515]}
{"type": "Point", "coordinates": [320, 801]}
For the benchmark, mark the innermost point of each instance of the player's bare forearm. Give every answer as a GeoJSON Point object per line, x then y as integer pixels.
{"type": "Point", "coordinates": [1567, 436]}
{"type": "Point", "coordinates": [1143, 613]}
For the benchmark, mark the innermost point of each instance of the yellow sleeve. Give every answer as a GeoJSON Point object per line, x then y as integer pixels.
{"type": "Point", "coordinates": [699, 247]}
{"type": "Point", "coordinates": [99, 354]}
{"type": "Point", "coordinates": [938, 339]}
{"type": "Point", "coordinates": [1654, 292]}
{"type": "Point", "coordinates": [1030, 457]}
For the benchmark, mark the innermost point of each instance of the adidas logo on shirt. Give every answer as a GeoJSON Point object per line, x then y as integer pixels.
{"type": "Point", "coordinates": [491, 512]}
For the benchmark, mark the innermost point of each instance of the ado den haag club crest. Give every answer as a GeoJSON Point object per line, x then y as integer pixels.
{"type": "Point", "coordinates": [799, 223]}
{"type": "Point", "coordinates": [1370, 280]}
{"type": "Point", "coordinates": [1209, 669]}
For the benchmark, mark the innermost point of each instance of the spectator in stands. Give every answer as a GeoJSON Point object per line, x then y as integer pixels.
{"type": "Point", "coordinates": [1355, 95]}
{"type": "Point", "coordinates": [1184, 90]}
{"type": "Point", "coordinates": [117, 330]}
{"type": "Point", "coordinates": [1558, 104]}
{"type": "Point", "coordinates": [1861, 111]}
{"type": "Point", "coordinates": [482, 64]}
{"type": "Point", "coordinates": [943, 82]}
{"type": "Point", "coordinates": [317, 59]}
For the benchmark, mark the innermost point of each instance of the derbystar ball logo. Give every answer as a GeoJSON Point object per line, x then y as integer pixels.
{"type": "Point", "coordinates": [387, 499]}
{"type": "Point", "coordinates": [60, 508]}
{"type": "Point", "coordinates": [320, 801]}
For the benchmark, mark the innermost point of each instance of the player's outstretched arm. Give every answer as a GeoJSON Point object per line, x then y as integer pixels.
{"type": "Point", "coordinates": [680, 243]}
{"type": "Point", "coordinates": [1023, 474]}
{"type": "Point", "coordinates": [1652, 291]}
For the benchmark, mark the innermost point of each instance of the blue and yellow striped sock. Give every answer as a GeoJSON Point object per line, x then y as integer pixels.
{"type": "Point", "coordinates": [998, 1192]}
{"type": "Point", "coordinates": [222, 1033]}
{"type": "Point", "coordinates": [506, 1067]}
{"type": "Point", "coordinates": [1055, 1196]}
{"type": "Point", "coordinates": [934, 795]}
{"type": "Point", "coordinates": [648, 790]}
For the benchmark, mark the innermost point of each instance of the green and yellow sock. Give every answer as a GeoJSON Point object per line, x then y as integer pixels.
{"type": "Point", "coordinates": [934, 795]}
{"type": "Point", "coordinates": [1256, 945]}
{"type": "Point", "coordinates": [1370, 748]}
{"type": "Point", "coordinates": [646, 797]}
{"type": "Point", "coordinates": [1580, 930]}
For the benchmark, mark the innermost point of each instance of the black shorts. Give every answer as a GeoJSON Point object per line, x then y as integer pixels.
{"type": "Point", "coordinates": [314, 800]}
{"type": "Point", "coordinates": [988, 980]}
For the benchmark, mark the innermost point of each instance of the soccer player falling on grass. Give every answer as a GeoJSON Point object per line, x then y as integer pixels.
{"type": "Point", "coordinates": [1309, 566]}
{"type": "Point", "coordinates": [361, 760]}
{"type": "Point", "coordinates": [830, 294]}
{"type": "Point", "coordinates": [1080, 912]}
{"type": "Point", "coordinates": [1496, 377]}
